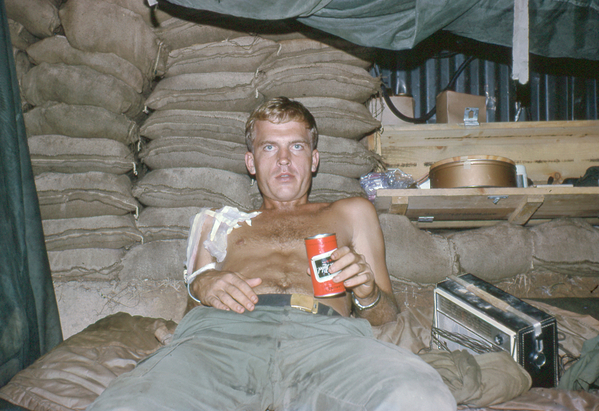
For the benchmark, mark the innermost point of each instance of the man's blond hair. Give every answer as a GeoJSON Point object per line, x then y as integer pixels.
{"type": "Point", "coordinates": [280, 110]}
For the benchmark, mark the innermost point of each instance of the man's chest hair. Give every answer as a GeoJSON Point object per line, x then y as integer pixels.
{"type": "Point", "coordinates": [282, 232]}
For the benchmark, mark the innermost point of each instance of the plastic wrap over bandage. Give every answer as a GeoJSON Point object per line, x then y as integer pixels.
{"type": "Point", "coordinates": [225, 220]}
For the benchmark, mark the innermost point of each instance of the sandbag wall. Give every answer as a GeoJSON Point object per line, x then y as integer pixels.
{"type": "Point", "coordinates": [135, 120]}
{"type": "Point", "coordinates": [85, 69]}
{"type": "Point", "coordinates": [558, 258]}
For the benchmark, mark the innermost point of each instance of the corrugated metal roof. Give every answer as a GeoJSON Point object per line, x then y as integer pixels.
{"type": "Point", "coordinates": [547, 97]}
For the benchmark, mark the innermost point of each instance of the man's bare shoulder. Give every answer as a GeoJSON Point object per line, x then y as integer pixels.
{"type": "Point", "coordinates": [354, 206]}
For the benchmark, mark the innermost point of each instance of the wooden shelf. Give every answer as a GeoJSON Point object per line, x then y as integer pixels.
{"type": "Point", "coordinates": [558, 149]}
{"type": "Point", "coordinates": [478, 207]}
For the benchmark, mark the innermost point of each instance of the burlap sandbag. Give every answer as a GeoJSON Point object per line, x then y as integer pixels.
{"type": "Point", "coordinates": [344, 157]}
{"type": "Point", "coordinates": [156, 260]}
{"type": "Point", "coordinates": [56, 49]}
{"type": "Point", "coordinates": [173, 152]}
{"type": "Point", "coordinates": [220, 91]}
{"type": "Point", "coordinates": [159, 223]}
{"type": "Point", "coordinates": [80, 85]}
{"type": "Point", "coordinates": [105, 27]}
{"type": "Point", "coordinates": [221, 125]}
{"type": "Point", "coordinates": [242, 54]}
{"type": "Point", "coordinates": [86, 264]}
{"type": "Point", "coordinates": [326, 188]}
{"type": "Point", "coordinates": [19, 36]}
{"type": "Point", "coordinates": [307, 51]}
{"type": "Point", "coordinates": [106, 231]}
{"type": "Point", "coordinates": [494, 253]}
{"type": "Point", "coordinates": [193, 187]}
{"type": "Point", "coordinates": [554, 249]}
{"type": "Point", "coordinates": [22, 65]}
{"type": "Point", "coordinates": [340, 118]}
{"type": "Point", "coordinates": [84, 195]}
{"type": "Point", "coordinates": [178, 33]}
{"type": "Point", "coordinates": [80, 121]}
{"type": "Point", "coordinates": [318, 80]}
{"type": "Point", "coordinates": [329, 187]}
{"type": "Point", "coordinates": [40, 17]}
{"type": "Point", "coordinates": [61, 154]}
{"type": "Point", "coordinates": [152, 16]}
{"type": "Point", "coordinates": [413, 255]}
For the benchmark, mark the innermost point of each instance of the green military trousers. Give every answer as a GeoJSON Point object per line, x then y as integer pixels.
{"type": "Point", "coordinates": [276, 358]}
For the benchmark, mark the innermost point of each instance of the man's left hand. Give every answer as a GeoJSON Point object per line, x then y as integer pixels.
{"type": "Point", "coordinates": [356, 274]}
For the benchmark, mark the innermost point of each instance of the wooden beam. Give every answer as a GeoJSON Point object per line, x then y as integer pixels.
{"type": "Point", "coordinates": [526, 209]}
{"type": "Point", "coordinates": [438, 225]}
{"type": "Point", "coordinates": [399, 205]}
{"type": "Point", "coordinates": [471, 207]}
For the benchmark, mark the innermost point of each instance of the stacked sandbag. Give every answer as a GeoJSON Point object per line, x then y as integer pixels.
{"type": "Point", "coordinates": [241, 70]}
{"type": "Point", "coordinates": [180, 33]}
{"type": "Point", "coordinates": [38, 17]}
{"type": "Point", "coordinates": [84, 106]}
{"type": "Point", "coordinates": [58, 50]}
{"type": "Point", "coordinates": [137, 121]}
{"type": "Point", "coordinates": [22, 66]}
{"type": "Point", "coordinates": [20, 37]}
{"type": "Point", "coordinates": [84, 215]}
{"type": "Point", "coordinates": [194, 150]}
{"type": "Point", "coordinates": [108, 27]}
{"type": "Point", "coordinates": [530, 262]}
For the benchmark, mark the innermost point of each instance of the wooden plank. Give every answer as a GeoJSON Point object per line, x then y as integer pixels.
{"type": "Point", "coordinates": [559, 148]}
{"type": "Point", "coordinates": [482, 223]}
{"type": "Point", "coordinates": [526, 209]}
{"type": "Point", "coordinates": [399, 205]}
{"type": "Point", "coordinates": [518, 205]}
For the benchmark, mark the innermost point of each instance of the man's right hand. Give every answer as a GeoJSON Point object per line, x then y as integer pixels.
{"type": "Point", "coordinates": [226, 290]}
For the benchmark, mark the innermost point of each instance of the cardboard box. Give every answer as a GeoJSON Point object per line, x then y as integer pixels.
{"type": "Point", "coordinates": [380, 111]}
{"type": "Point", "coordinates": [451, 106]}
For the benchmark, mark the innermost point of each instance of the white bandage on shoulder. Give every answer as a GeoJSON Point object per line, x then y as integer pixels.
{"type": "Point", "coordinates": [225, 220]}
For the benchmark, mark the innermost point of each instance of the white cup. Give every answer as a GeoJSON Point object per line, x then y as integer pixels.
{"type": "Point", "coordinates": [521, 176]}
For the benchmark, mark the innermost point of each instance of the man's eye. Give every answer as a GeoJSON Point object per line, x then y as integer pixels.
{"type": "Point", "coordinates": [268, 147]}
{"type": "Point", "coordinates": [298, 146]}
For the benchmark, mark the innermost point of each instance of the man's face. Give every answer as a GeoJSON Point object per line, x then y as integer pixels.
{"type": "Point", "coordinates": [283, 160]}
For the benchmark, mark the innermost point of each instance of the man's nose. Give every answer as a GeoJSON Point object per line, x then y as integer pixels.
{"type": "Point", "coordinates": [283, 157]}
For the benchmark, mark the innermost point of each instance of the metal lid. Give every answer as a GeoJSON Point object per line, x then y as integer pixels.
{"type": "Point", "coordinates": [473, 158]}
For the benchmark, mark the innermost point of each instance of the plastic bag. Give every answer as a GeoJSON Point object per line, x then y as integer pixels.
{"type": "Point", "coordinates": [393, 178]}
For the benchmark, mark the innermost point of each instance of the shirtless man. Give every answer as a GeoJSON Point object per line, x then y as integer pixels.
{"type": "Point", "coordinates": [270, 256]}
{"type": "Point", "coordinates": [236, 350]}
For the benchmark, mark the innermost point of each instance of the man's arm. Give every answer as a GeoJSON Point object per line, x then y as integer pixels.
{"type": "Point", "coordinates": [364, 270]}
{"type": "Point", "coordinates": [220, 289]}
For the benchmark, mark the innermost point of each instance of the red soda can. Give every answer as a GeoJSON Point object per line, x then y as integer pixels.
{"type": "Point", "coordinates": [319, 249]}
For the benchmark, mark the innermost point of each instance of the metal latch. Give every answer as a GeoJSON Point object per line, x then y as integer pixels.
{"type": "Point", "coordinates": [496, 199]}
{"type": "Point", "coordinates": [471, 116]}
{"type": "Point", "coordinates": [426, 219]}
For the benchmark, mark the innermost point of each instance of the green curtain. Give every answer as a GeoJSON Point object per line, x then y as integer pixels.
{"type": "Point", "coordinates": [29, 321]}
{"type": "Point", "coordinates": [558, 28]}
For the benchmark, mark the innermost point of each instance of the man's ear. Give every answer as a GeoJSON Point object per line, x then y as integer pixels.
{"type": "Point", "coordinates": [249, 162]}
{"type": "Point", "coordinates": [315, 160]}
